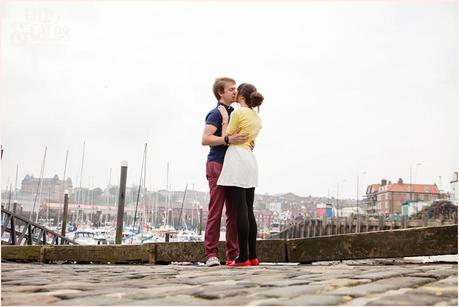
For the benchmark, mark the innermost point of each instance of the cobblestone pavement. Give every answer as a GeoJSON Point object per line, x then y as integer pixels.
{"type": "Point", "coordinates": [348, 283]}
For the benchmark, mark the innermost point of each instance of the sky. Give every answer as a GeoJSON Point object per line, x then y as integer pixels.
{"type": "Point", "coordinates": [353, 90]}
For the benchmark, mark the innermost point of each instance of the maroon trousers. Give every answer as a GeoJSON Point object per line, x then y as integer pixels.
{"type": "Point", "coordinates": [218, 198]}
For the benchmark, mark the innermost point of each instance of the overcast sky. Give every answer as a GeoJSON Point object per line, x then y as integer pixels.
{"type": "Point", "coordinates": [350, 87]}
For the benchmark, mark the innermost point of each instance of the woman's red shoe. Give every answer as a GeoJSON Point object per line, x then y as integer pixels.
{"type": "Point", "coordinates": [254, 261]}
{"type": "Point", "coordinates": [245, 263]}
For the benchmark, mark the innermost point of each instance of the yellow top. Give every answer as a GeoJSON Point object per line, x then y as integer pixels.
{"type": "Point", "coordinates": [244, 120]}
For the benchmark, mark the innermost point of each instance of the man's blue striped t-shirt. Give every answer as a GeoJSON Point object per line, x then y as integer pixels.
{"type": "Point", "coordinates": [214, 118]}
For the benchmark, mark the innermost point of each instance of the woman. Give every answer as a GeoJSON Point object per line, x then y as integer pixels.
{"type": "Point", "coordinates": [240, 170]}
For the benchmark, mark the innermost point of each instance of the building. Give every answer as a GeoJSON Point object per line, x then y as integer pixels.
{"type": "Point", "coordinates": [264, 218]}
{"type": "Point", "coordinates": [453, 182]}
{"type": "Point", "coordinates": [320, 210]}
{"type": "Point", "coordinates": [275, 207]}
{"type": "Point", "coordinates": [369, 202]}
{"type": "Point", "coordinates": [388, 197]}
{"type": "Point", "coordinates": [52, 188]}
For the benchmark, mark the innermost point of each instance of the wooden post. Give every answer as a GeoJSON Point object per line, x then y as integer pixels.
{"type": "Point", "coordinates": [200, 220]}
{"type": "Point", "coordinates": [425, 219]}
{"type": "Point", "coordinates": [367, 220]}
{"type": "Point", "coordinates": [324, 225]}
{"type": "Point", "coordinates": [121, 199]}
{"type": "Point", "coordinates": [307, 227]}
{"type": "Point", "coordinates": [65, 214]}
{"type": "Point", "coordinates": [381, 222]}
{"type": "Point", "coordinates": [358, 224]}
{"type": "Point", "coordinates": [15, 205]}
{"type": "Point", "coordinates": [301, 230]}
{"type": "Point", "coordinates": [29, 238]}
{"type": "Point", "coordinates": [13, 231]}
{"type": "Point", "coordinates": [313, 227]}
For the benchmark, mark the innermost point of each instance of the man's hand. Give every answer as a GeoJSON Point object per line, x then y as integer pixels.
{"type": "Point", "coordinates": [239, 138]}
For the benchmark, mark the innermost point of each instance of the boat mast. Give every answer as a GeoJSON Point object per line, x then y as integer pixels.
{"type": "Point", "coordinates": [65, 170]}
{"type": "Point", "coordinates": [156, 209]}
{"type": "Point", "coordinates": [79, 188]}
{"type": "Point", "coordinates": [181, 210]}
{"type": "Point", "coordinates": [65, 184]}
{"type": "Point", "coordinates": [167, 194]}
{"type": "Point", "coordinates": [140, 183]}
{"type": "Point", "coordinates": [38, 187]}
{"type": "Point", "coordinates": [16, 184]}
{"type": "Point", "coordinates": [144, 216]}
{"type": "Point", "coordinates": [49, 203]}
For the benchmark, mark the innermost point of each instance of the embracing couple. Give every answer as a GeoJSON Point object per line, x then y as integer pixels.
{"type": "Point", "coordinates": [232, 172]}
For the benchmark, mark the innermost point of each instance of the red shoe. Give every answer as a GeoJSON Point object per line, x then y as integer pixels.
{"type": "Point", "coordinates": [245, 263]}
{"type": "Point", "coordinates": [228, 262]}
{"type": "Point", "coordinates": [254, 261]}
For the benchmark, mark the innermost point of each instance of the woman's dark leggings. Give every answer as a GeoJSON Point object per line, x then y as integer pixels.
{"type": "Point", "coordinates": [242, 200]}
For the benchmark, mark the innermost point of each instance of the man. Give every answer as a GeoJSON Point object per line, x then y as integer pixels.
{"type": "Point", "coordinates": [225, 91]}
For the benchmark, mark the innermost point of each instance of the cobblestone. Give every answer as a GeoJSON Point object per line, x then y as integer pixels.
{"type": "Point", "coordinates": [306, 300]}
{"type": "Point", "coordinates": [269, 285]}
{"type": "Point", "coordinates": [382, 285]}
{"type": "Point", "coordinates": [406, 300]}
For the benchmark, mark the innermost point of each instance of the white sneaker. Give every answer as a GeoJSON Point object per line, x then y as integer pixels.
{"type": "Point", "coordinates": [212, 261]}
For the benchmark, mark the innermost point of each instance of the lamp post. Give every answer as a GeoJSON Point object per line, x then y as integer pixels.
{"type": "Point", "coordinates": [337, 198]}
{"type": "Point", "coordinates": [358, 174]}
{"type": "Point", "coordinates": [411, 180]}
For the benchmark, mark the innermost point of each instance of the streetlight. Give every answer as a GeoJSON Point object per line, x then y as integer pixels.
{"type": "Point", "coordinates": [337, 197]}
{"type": "Point", "coordinates": [411, 180]}
{"type": "Point", "coordinates": [362, 173]}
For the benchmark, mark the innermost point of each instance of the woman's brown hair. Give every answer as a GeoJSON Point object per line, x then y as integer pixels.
{"type": "Point", "coordinates": [252, 97]}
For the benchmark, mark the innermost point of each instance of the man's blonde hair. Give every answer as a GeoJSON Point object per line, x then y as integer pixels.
{"type": "Point", "coordinates": [219, 86]}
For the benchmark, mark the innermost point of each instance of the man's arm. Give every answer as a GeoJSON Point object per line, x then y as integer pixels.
{"type": "Point", "coordinates": [209, 139]}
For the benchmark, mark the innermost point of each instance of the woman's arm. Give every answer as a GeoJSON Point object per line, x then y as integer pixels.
{"type": "Point", "coordinates": [225, 119]}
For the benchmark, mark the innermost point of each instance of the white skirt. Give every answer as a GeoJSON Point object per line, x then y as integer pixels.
{"type": "Point", "coordinates": [240, 168]}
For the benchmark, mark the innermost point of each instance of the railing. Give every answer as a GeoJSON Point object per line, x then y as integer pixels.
{"type": "Point", "coordinates": [317, 227]}
{"type": "Point", "coordinates": [18, 230]}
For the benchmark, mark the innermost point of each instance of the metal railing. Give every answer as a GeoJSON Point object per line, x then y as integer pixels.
{"type": "Point", "coordinates": [18, 230]}
{"type": "Point", "coordinates": [317, 227]}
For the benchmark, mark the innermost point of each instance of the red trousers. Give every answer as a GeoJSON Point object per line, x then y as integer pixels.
{"type": "Point", "coordinates": [218, 198]}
